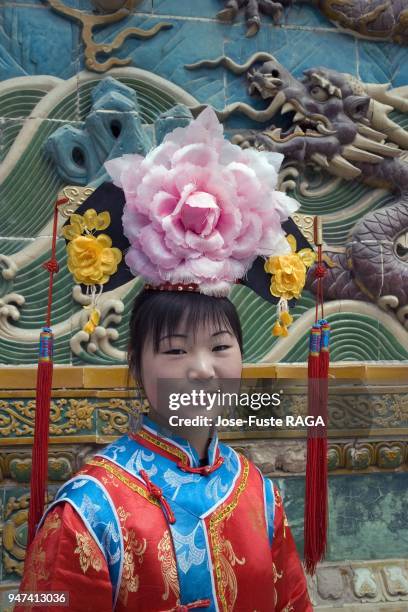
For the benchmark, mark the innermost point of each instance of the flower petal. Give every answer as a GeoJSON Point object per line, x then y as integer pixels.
{"type": "Point", "coordinates": [204, 244]}
{"type": "Point", "coordinates": [139, 263]}
{"type": "Point", "coordinates": [90, 217]}
{"type": "Point", "coordinates": [103, 220]}
{"type": "Point", "coordinates": [155, 248]}
{"type": "Point", "coordinates": [308, 256]}
{"type": "Point", "coordinates": [104, 240]}
{"type": "Point", "coordinates": [292, 242]}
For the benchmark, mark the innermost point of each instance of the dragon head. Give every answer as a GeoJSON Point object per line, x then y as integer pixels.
{"type": "Point", "coordinates": [334, 120]}
{"type": "Point", "coordinates": [329, 118]}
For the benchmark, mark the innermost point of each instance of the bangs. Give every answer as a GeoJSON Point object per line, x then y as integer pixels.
{"type": "Point", "coordinates": [189, 312]}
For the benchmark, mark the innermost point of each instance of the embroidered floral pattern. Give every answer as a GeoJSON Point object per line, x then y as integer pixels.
{"type": "Point", "coordinates": [228, 560]}
{"type": "Point", "coordinates": [276, 576]}
{"type": "Point", "coordinates": [132, 486]}
{"type": "Point", "coordinates": [89, 554]}
{"type": "Point", "coordinates": [110, 480]}
{"type": "Point", "coordinates": [37, 557]}
{"type": "Point", "coordinates": [133, 554]}
{"type": "Point", "coordinates": [167, 560]}
{"type": "Point", "coordinates": [224, 556]}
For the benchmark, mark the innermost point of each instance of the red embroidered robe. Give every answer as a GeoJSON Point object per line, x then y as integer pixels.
{"type": "Point", "coordinates": [188, 537]}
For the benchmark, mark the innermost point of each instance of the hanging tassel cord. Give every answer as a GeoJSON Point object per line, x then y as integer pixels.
{"type": "Point", "coordinates": [39, 469]}
{"type": "Point", "coordinates": [319, 273]}
{"type": "Point", "coordinates": [316, 495]}
{"type": "Point", "coordinates": [52, 264]}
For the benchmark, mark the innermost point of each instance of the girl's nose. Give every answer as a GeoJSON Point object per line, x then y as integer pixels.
{"type": "Point", "coordinates": [201, 368]}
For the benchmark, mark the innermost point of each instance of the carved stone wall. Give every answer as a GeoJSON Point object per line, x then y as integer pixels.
{"type": "Point", "coordinates": [93, 79]}
{"type": "Point", "coordinates": [58, 125]}
{"type": "Point", "coordinates": [368, 465]}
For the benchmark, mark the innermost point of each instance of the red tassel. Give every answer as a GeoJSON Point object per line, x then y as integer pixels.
{"type": "Point", "coordinates": [322, 502]}
{"type": "Point", "coordinates": [316, 495]}
{"type": "Point", "coordinates": [314, 451]}
{"type": "Point", "coordinates": [316, 500]}
{"type": "Point", "coordinates": [39, 470]}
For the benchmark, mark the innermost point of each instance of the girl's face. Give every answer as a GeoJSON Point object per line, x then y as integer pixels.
{"type": "Point", "coordinates": [188, 362]}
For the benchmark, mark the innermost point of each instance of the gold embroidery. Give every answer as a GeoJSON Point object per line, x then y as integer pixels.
{"type": "Point", "coordinates": [276, 575]}
{"type": "Point", "coordinates": [110, 480]}
{"type": "Point", "coordinates": [123, 515]}
{"type": "Point", "coordinates": [35, 570]}
{"type": "Point", "coordinates": [278, 498]}
{"type": "Point", "coordinates": [89, 554]}
{"type": "Point", "coordinates": [218, 544]}
{"type": "Point", "coordinates": [133, 486]}
{"type": "Point", "coordinates": [229, 581]}
{"type": "Point", "coordinates": [133, 550]}
{"type": "Point", "coordinates": [161, 444]}
{"type": "Point", "coordinates": [285, 524]}
{"type": "Point", "coordinates": [130, 580]}
{"type": "Point", "coordinates": [288, 608]}
{"type": "Point", "coordinates": [168, 566]}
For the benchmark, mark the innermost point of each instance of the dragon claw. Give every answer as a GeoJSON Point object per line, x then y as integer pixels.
{"type": "Point", "coordinates": [227, 15]}
{"type": "Point", "coordinates": [277, 16]}
{"type": "Point", "coordinates": [253, 25]}
{"type": "Point", "coordinates": [253, 9]}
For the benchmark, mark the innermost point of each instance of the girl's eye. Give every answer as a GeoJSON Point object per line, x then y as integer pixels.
{"type": "Point", "coordinates": [221, 347]}
{"type": "Point", "coordinates": [174, 352]}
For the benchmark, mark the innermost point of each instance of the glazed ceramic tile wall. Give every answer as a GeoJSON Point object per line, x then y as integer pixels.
{"type": "Point", "coordinates": [46, 90]}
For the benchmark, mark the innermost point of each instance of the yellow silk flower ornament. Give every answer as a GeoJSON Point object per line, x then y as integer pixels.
{"type": "Point", "coordinates": [94, 319]}
{"type": "Point", "coordinates": [288, 279]}
{"type": "Point", "coordinates": [91, 259]}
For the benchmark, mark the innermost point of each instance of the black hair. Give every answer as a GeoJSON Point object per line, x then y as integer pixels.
{"type": "Point", "coordinates": [157, 313]}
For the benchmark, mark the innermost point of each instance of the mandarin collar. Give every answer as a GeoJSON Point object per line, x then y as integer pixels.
{"type": "Point", "coordinates": [165, 442]}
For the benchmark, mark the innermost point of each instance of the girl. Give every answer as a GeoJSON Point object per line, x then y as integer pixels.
{"type": "Point", "coordinates": [187, 523]}
{"type": "Point", "coordinates": [166, 518]}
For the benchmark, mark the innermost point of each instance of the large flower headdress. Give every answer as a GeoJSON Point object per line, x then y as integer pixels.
{"type": "Point", "coordinates": [197, 213]}
{"type": "Point", "coordinates": [200, 209]}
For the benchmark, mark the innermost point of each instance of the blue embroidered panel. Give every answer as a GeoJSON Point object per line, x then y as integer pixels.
{"type": "Point", "coordinates": [192, 497]}
{"type": "Point", "coordinates": [93, 503]}
{"type": "Point", "coordinates": [181, 443]}
{"type": "Point", "coordinates": [269, 498]}
{"type": "Point", "coordinates": [193, 559]}
{"type": "Point", "coordinates": [198, 494]}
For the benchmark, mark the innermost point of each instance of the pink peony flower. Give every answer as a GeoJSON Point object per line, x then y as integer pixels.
{"type": "Point", "coordinates": [200, 209]}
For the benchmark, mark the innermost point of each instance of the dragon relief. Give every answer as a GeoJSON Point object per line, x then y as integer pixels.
{"type": "Point", "coordinates": [106, 12]}
{"type": "Point", "coordinates": [373, 19]}
{"type": "Point", "coordinates": [335, 123]}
